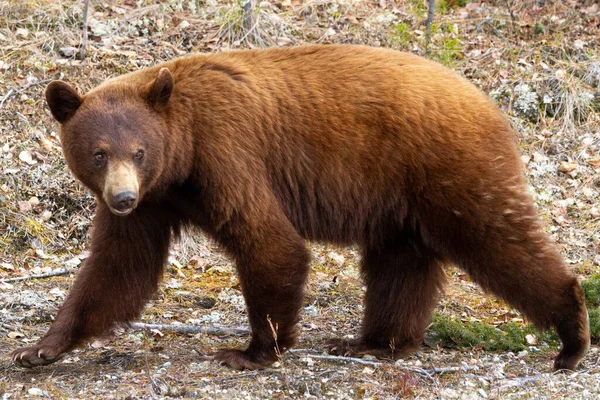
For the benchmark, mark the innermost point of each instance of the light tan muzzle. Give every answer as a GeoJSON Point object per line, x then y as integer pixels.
{"type": "Point", "coordinates": [121, 188]}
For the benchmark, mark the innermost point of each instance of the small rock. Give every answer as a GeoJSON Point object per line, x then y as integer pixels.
{"type": "Point", "coordinates": [522, 354]}
{"type": "Point", "coordinates": [24, 206]}
{"type": "Point", "coordinates": [15, 335]}
{"type": "Point", "coordinates": [22, 33]}
{"type": "Point", "coordinates": [46, 215]}
{"type": "Point", "coordinates": [206, 302]}
{"type": "Point", "coordinates": [68, 52]}
{"type": "Point", "coordinates": [368, 371]}
{"type": "Point", "coordinates": [35, 392]}
{"type": "Point", "coordinates": [311, 310]}
{"type": "Point", "coordinates": [27, 157]}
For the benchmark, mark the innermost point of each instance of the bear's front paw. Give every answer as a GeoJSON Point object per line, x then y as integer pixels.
{"type": "Point", "coordinates": [240, 360]}
{"type": "Point", "coordinates": [33, 356]}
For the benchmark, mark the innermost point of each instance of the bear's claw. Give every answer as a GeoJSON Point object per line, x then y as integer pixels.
{"type": "Point", "coordinates": [34, 356]}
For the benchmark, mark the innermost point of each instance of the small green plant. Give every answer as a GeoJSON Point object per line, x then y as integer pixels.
{"type": "Point", "coordinates": [450, 51]}
{"type": "Point", "coordinates": [419, 8]}
{"type": "Point", "coordinates": [595, 324]}
{"type": "Point", "coordinates": [442, 7]}
{"type": "Point", "coordinates": [511, 337]}
{"type": "Point", "coordinates": [401, 34]}
{"type": "Point", "coordinates": [591, 288]}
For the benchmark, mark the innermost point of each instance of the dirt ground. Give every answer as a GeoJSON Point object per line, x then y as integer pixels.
{"type": "Point", "coordinates": [539, 60]}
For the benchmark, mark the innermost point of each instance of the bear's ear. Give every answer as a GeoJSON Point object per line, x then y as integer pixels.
{"type": "Point", "coordinates": [63, 100]}
{"type": "Point", "coordinates": [159, 92]}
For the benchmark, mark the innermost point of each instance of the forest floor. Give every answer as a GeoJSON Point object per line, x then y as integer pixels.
{"type": "Point", "coordinates": [538, 59]}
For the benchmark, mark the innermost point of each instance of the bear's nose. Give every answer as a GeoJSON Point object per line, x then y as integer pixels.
{"type": "Point", "coordinates": [124, 200]}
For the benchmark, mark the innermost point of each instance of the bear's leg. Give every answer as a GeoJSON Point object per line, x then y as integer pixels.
{"type": "Point", "coordinates": [126, 261]}
{"type": "Point", "coordinates": [404, 280]}
{"type": "Point", "coordinates": [272, 265]}
{"type": "Point", "coordinates": [506, 253]}
{"type": "Point", "coordinates": [530, 275]}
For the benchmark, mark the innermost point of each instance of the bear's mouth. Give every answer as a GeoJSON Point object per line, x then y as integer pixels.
{"type": "Point", "coordinates": [121, 212]}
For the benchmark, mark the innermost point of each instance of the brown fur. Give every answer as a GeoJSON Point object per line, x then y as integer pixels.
{"type": "Point", "coordinates": [264, 149]}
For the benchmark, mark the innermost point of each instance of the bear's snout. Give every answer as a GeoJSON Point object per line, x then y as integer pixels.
{"type": "Point", "coordinates": [121, 188]}
{"type": "Point", "coordinates": [124, 201]}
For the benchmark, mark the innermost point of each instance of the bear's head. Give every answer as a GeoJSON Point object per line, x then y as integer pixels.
{"type": "Point", "coordinates": [113, 138]}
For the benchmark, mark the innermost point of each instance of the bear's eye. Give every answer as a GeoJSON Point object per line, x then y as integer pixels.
{"type": "Point", "coordinates": [100, 156]}
{"type": "Point", "coordinates": [139, 155]}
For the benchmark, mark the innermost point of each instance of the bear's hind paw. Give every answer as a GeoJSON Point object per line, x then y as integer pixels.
{"type": "Point", "coordinates": [240, 360]}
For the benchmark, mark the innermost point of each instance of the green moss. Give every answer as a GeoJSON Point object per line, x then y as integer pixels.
{"type": "Point", "coordinates": [591, 288]}
{"type": "Point", "coordinates": [469, 334]}
{"type": "Point", "coordinates": [595, 324]}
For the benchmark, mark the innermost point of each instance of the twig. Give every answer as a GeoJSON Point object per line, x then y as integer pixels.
{"type": "Point", "coordinates": [487, 22]}
{"type": "Point", "coordinates": [428, 22]}
{"type": "Point", "coordinates": [85, 29]}
{"type": "Point", "coordinates": [46, 275]}
{"type": "Point", "coordinates": [9, 327]}
{"type": "Point", "coordinates": [211, 330]}
{"type": "Point", "coordinates": [155, 387]}
{"type": "Point", "coordinates": [506, 383]}
{"type": "Point", "coordinates": [512, 17]}
{"type": "Point", "coordinates": [12, 92]}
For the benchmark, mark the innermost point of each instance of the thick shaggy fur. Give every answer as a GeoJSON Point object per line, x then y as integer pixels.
{"type": "Point", "coordinates": [264, 149]}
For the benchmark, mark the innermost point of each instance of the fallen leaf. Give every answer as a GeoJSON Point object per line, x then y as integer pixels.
{"type": "Point", "coordinates": [594, 162]}
{"type": "Point", "coordinates": [7, 266]}
{"type": "Point", "coordinates": [27, 157]}
{"type": "Point", "coordinates": [567, 166]}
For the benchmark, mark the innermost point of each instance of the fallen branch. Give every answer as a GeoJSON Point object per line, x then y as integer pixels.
{"type": "Point", "coordinates": [211, 330]}
{"type": "Point", "coordinates": [508, 383]}
{"type": "Point", "coordinates": [425, 372]}
{"type": "Point", "coordinates": [27, 277]}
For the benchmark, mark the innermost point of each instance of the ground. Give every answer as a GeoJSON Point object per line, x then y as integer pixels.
{"type": "Point", "coordinates": [538, 59]}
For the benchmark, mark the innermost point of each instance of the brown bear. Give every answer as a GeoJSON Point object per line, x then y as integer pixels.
{"type": "Point", "coordinates": [264, 149]}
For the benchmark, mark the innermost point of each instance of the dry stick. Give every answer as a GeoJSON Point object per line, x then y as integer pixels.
{"type": "Point", "coordinates": [12, 92]}
{"type": "Point", "coordinates": [85, 29]}
{"type": "Point", "coordinates": [512, 17]}
{"type": "Point", "coordinates": [212, 330]}
{"type": "Point", "coordinates": [428, 25]}
{"type": "Point", "coordinates": [46, 275]}
{"type": "Point", "coordinates": [425, 372]}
